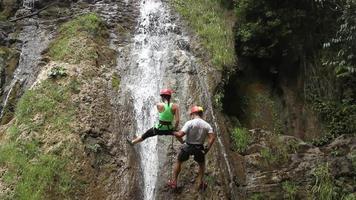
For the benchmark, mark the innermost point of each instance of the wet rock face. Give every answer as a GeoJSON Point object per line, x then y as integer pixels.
{"type": "Point", "coordinates": [38, 4]}
{"type": "Point", "coordinates": [8, 8]}
{"type": "Point", "coordinates": [267, 177]}
{"type": "Point", "coordinates": [107, 164]}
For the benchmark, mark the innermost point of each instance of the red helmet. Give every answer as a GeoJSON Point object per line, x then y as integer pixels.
{"type": "Point", "coordinates": [196, 109]}
{"type": "Point", "coordinates": [166, 92]}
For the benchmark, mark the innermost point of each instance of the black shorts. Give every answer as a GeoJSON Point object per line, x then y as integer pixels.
{"type": "Point", "coordinates": [154, 131]}
{"type": "Point", "coordinates": [192, 149]}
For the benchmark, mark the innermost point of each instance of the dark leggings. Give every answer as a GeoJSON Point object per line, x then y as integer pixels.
{"type": "Point", "coordinates": [154, 131]}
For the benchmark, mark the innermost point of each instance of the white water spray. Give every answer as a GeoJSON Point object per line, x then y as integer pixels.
{"type": "Point", "coordinates": [29, 4]}
{"type": "Point", "coordinates": [149, 53]}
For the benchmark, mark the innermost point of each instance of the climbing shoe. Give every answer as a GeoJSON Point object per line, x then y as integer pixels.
{"type": "Point", "coordinates": [129, 141]}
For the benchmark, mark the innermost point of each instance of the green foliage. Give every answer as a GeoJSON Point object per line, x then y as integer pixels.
{"type": "Point", "coordinates": [323, 187]}
{"type": "Point", "coordinates": [210, 22]}
{"type": "Point", "coordinates": [57, 72]}
{"type": "Point", "coordinates": [218, 98]}
{"type": "Point", "coordinates": [290, 189]}
{"type": "Point", "coordinates": [266, 102]}
{"type": "Point", "coordinates": [241, 138]}
{"type": "Point", "coordinates": [269, 156]}
{"type": "Point", "coordinates": [352, 157]}
{"type": "Point", "coordinates": [115, 81]}
{"type": "Point", "coordinates": [74, 86]}
{"type": "Point", "coordinates": [32, 172]}
{"type": "Point", "coordinates": [49, 103]}
{"type": "Point", "coordinates": [263, 111]}
{"type": "Point", "coordinates": [344, 42]}
{"type": "Point", "coordinates": [338, 119]}
{"type": "Point", "coordinates": [349, 197]}
{"type": "Point", "coordinates": [94, 147]}
{"type": "Point", "coordinates": [277, 152]}
{"type": "Point", "coordinates": [272, 30]}
{"type": "Point", "coordinates": [257, 196]}
{"type": "Point", "coordinates": [37, 171]}
{"type": "Point", "coordinates": [211, 179]}
{"type": "Point", "coordinates": [89, 23]}
{"type": "Point", "coordinates": [2, 17]}
{"type": "Point", "coordinates": [76, 40]}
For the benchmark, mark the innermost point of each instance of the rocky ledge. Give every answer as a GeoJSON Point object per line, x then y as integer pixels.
{"type": "Point", "coordinates": [280, 166]}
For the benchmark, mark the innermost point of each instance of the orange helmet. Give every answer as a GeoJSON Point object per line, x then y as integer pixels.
{"type": "Point", "coordinates": [196, 109]}
{"type": "Point", "coordinates": [166, 92]}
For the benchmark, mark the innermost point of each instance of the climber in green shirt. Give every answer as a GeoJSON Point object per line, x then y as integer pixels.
{"type": "Point", "coordinates": [167, 112]}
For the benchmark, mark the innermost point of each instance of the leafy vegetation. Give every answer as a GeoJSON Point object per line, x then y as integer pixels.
{"type": "Point", "coordinates": [276, 152]}
{"type": "Point", "coordinates": [272, 30]}
{"type": "Point", "coordinates": [33, 173]}
{"type": "Point", "coordinates": [323, 187]}
{"type": "Point", "coordinates": [264, 101]}
{"type": "Point", "coordinates": [76, 39]}
{"type": "Point", "coordinates": [343, 44]}
{"type": "Point", "coordinates": [318, 38]}
{"type": "Point", "coordinates": [210, 22]}
{"type": "Point", "coordinates": [115, 81]}
{"type": "Point", "coordinates": [48, 104]}
{"type": "Point", "coordinates": [57, 72]}
{"type": "Point", "coordinates": [257, 196]}
{"type": "Point", "coordinates": [338, 112]}
{"type": "Point", "coordinates": [2, 17]}
{"type": "Point", "coordinates": [339, 119]}
{"type": "Point", "coordinates": [241, 138]}
{"type": "Point", "coordinates": [290, 189]}
{"type": "Point", "coordinates": [353, 159]}
{"type": "Point", "coordinates": [349, 197]}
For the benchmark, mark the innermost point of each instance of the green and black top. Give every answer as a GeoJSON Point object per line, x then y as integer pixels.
{"type": "Point", "coordinates": [166, 118]}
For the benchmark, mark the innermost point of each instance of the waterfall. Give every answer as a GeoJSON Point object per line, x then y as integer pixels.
{"type": "Point", "coordinates": [155, 49]}
{"type": "Point", "coordinates": [35, 40]}
{"type": "Point", "coordinates": [28, 4]}
{"type": "Point", "coordinates": [148, 55]}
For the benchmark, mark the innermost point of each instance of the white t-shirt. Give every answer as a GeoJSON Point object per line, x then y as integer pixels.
{"type": "Point", "coordinates": [196, 130]}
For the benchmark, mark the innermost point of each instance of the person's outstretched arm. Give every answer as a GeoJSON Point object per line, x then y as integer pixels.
{"type": "Point", "coordinates": [179, 134]}
{"type": "Point", "coordinates": [176, 116]}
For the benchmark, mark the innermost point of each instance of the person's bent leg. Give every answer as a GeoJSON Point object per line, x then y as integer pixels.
{"type": "Point", "coordinates": [137, 140]}
{"type": "Point", "coordinates": [149, 133]}
{"type": "Point", "coordinates": [199, 157]}
{"type": "Point", "coordinates": [182, 157]}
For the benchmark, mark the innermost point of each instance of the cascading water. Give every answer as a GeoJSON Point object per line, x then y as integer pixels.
{"type": "Point", "coordinates": [148, 55]}
{"type": "Point", "coordinates": [28, 3]}
{"type": "Point", "coordinates": [157, 47]}
{"type": "Point", "coordinates": [35, 39]}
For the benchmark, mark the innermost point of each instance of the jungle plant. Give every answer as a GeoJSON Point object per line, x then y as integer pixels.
{"type": "Point", "coordinates": [323, 187]}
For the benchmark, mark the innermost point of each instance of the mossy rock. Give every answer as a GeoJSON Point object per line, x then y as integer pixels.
{"type": "Point", "coordinates": [80, 40]}
{"type": "Point", "coordinates": [8, 8]}
{"type": "Point", "coordinates": [9, 109]}
{"type": "Point", "coordinates": [9, 59]}
{"type": "Point", "coordinates": [55, 11]}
